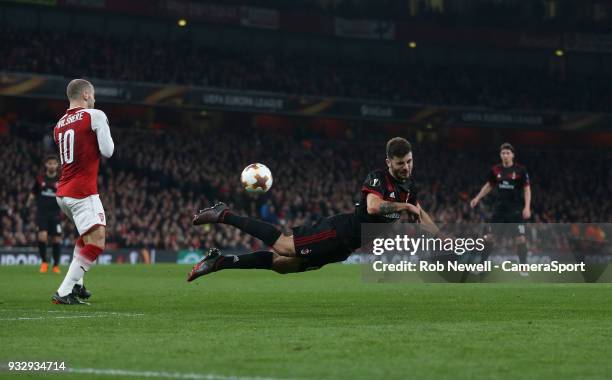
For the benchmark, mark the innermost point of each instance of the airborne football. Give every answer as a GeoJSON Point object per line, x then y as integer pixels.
{"type": "Point", "coordinates": [306, 190]}
{"type": "Point", "coordinates": [256, 178]}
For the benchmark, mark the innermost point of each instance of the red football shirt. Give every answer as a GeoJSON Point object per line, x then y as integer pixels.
{"type": "Point", "coordinates": [81, 136]}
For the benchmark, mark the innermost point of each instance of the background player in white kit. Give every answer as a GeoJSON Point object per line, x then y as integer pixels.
{"type": "Point", "coordinates": [81, 136]}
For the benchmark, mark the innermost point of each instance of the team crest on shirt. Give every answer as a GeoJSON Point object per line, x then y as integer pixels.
{"type": "Point", "coordinates": [304, 251]}
{"type": "Point", "coordinates": [101, 215]}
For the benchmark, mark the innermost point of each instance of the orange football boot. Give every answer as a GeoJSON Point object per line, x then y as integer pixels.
{"type": "Point", "coordinates": [56, 269]}
{"type": "Point", "coordinates": [44, 267]}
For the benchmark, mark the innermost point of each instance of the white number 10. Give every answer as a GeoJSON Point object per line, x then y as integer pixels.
{"type": "Point", "coordinates": [66, 146]}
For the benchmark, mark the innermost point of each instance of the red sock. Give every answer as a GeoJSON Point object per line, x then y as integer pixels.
{"type": "Point", "coordinates": [90, 252]}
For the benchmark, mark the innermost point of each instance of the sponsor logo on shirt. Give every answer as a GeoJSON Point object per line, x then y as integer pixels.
{"type": "Point", "coordinates": [48, 193]}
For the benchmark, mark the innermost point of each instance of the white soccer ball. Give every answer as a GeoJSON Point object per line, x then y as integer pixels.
{"type": "Point", "coordinates": [256, 178]}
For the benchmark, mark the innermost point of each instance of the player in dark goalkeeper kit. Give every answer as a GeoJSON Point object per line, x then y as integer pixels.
{"type": "Point", "coordinates": [385, 194]}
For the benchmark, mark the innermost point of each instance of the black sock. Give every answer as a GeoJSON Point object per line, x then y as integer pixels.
{"type": "Point", "coordinates": [56, 253]}
{"type": "Point", "coordinates": [42, 251]}
{"type": "Point", "coordinates": [253, 260]}
{"type": "Point", "coordinates": [521, 251]}
{"type": "Point", "coordinates": [261, 230]}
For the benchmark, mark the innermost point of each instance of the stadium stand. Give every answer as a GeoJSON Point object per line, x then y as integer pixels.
{"type": "Point", "coordinates": [131, 59]}
{"type": "Point", "coordinates": [164, 175]}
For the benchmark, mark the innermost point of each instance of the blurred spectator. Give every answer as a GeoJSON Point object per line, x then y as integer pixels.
{"type": "Point", "coordinates": [157, 179]}
{"type": "Point", "coordinates": [58, 53]}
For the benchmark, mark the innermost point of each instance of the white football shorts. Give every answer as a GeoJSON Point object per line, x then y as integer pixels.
{"type": "Point", "coordinates": [85, 213]}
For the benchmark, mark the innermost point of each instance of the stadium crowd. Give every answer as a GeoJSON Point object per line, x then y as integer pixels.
{"type": "Point", "coordinates": [147, 60]}
{"type": "Point", "coordinates": [157, 179]}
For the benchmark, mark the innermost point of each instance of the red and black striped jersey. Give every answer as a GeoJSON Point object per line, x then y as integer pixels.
{"type": "Point", "coordinates": [383, 184]}
{"type": "Point", "coordinates": [509, 182]}
{"type": "Point", "coordinates": [44, 189]}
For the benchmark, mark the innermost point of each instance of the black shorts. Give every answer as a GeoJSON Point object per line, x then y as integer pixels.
{"type": "Point", "coordinates": [49, 222]}
{"type": "Point", "coordinates": [319, 244]}
{"type": "Point", "coordinates": [507, 223]}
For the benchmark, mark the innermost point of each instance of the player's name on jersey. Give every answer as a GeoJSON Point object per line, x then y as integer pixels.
{"type": "Point", "coordinates": [486, 266]}
{"type": "Point", "coordinates": [70, 119]}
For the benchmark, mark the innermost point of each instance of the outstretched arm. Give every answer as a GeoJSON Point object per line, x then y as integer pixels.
{"type": "Point", "coordinates": [428, 224]}
{"type": "Point", "coordinates": [378, 206]}
{"type": "Point", "coordinates": [527, 208]}
{"type": "Point", "coordinates": [486, 189]}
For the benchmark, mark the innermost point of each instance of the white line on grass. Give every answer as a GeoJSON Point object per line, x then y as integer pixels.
{"type": "Point", "coordinates": [61, 309]}
{"type": "Point", "coordinates": [161, 375]}
{"type": "Point", "coordinates": [92, 315]}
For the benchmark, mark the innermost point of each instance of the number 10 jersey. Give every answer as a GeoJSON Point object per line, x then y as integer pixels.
{"type": "Point", "coordinates": [81, 136]}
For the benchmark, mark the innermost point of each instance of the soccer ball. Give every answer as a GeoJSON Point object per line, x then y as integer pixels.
{"type": "Point", "coordinates": [256, 178]}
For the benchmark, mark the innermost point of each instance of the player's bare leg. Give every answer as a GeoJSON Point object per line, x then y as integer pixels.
{"type": "Point", "coordinates": [284, 246]}
{"type": "Point", "coordinates": [42, 250]}
{"type": "Point", "coordinates": [94, 241]}
{"type": "Point", "coordinates": [286, 264]}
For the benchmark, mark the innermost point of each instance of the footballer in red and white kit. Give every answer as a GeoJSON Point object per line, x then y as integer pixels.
{"type": "Point", "coordinates": [82, 135]}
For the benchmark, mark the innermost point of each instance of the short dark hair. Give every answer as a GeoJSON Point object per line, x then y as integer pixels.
{"type": "Point", "coordinates": [50, 157]}
{"type": "Point", "coordinates": [76, 87]}
{"type": "Point", "coordinates": [398, 147]}
{"type": "Point", "coordinates": [506, 145]}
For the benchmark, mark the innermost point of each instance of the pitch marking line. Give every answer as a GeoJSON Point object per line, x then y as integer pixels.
{"type": "Point", "coordinates": [84, 315]}
{"type": "Point", "coordinates": [161, 375]}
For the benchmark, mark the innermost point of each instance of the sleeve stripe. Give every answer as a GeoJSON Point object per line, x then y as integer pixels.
{"type": "Point", "coordinates": [367, 190]}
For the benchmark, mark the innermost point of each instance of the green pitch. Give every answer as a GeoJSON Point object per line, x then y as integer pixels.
{"type": "Point", "coordinates": [325, 324]}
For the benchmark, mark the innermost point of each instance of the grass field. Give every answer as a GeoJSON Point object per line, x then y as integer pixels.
{"type": "Point", "coordinates": [325, 324]}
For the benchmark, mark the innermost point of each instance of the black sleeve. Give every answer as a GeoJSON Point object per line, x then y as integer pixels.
{"type": "Point", "coordinates": [491, 178]}
{"type": "Point", "coordinates": [526, 180]}
{"type": "Point", "coordinates": [373, 184]}
{"type": "Point", "coordinates": [36, 188]}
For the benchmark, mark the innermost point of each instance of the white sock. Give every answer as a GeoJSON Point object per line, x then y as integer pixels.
{"type": "Point", "coordinates": [74, 255]}
{"type": "Point", "coordinates": [76, 271]}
